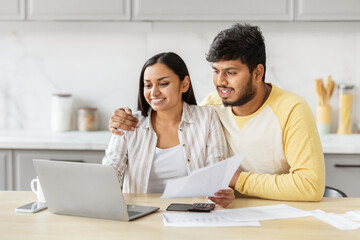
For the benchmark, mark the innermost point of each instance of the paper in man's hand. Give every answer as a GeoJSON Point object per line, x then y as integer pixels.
{"type": "Point", "coordinates": [204, 181]}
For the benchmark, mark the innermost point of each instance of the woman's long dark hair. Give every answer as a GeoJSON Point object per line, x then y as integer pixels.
{"type": "Point", "coordinates": [178, 66]}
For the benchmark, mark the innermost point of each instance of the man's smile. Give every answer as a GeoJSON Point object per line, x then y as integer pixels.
{"type": "Point", "coordinates": [225, 92]}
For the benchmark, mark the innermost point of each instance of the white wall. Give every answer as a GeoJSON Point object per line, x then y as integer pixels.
{"type": "Point", "coordinates": [100, 65]}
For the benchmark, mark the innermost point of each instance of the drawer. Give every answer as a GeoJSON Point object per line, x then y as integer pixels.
{"type": "Point", "coordinates": [23, 165]}
{"type": "Point", "coordinates": [343, 172]}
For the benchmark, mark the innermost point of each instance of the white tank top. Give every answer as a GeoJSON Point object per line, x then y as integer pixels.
{"type": "Point", "coordinates": [167, 164]}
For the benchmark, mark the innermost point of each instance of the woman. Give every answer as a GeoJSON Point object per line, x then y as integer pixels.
{"type": "Point", "coordinates": [174, 136]}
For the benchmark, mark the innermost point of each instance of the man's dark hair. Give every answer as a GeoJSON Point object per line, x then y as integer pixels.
{"type": "Point", "coordinates": [244, 42]}
{"type": "Point", "coordinates": [178, 66]}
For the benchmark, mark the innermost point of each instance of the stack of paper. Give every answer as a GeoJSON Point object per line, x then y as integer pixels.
{"type": "Point", "coordinates": [233, 217]}
{"type": "Point", "coordinates": [252, 215]}
{"type": "Point", "coordinates": [347, 221]}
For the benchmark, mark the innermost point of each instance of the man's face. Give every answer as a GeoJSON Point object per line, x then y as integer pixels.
{"type": "Point", "coordinates": [234, 82]}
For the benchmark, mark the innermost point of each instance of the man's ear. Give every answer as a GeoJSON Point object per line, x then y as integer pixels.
{"type": "Point", "coordinates": [185, 84]}
{"type": "Point", "coordinates": [258, 73]}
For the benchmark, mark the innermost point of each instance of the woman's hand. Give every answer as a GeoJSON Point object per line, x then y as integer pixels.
{"type": "Point", "coordinates": [223, 197]}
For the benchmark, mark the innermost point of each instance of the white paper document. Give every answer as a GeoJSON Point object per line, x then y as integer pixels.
{"type": "Point", "coordinates": [204, 181]}
{"type": "Point", "coordinates": [339, 221]}
{"type": "Point", "coordinates": [262, 213]}
{"type": "Point", "coordinates": [353, 215]}
{"type": "Point", "coordinates": [233, 217]}
{"type": "Point", "coordinates": [212, 219]}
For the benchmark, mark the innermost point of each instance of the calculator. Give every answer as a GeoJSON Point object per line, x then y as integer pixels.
{"type": "Point", "coordinates": [196, 207]}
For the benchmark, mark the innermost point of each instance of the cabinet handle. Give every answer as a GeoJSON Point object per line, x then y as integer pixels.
{"type": "Point", "coordinates": [347, 166]}
{"type": "Point", "coordinates": [62, 160]}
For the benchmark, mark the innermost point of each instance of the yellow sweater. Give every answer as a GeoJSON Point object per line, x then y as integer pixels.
{"type": "Point", "coordinates": [283, 154]}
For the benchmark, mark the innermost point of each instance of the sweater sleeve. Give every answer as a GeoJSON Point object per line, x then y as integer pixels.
{"type": "Point", "coordinates": [116, 155]}
{"type": "Point", "coordinates": [303, 151]}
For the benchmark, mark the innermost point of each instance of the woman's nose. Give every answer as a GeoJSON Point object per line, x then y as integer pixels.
{"type": "Point", "coordinates": [155, 91]}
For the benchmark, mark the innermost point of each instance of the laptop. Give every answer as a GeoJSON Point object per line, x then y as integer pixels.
{"type": "Point", "coordinates": [85, 190]}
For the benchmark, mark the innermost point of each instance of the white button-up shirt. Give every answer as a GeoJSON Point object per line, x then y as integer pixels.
{"type": "Point", "coordinates": [200, 134]}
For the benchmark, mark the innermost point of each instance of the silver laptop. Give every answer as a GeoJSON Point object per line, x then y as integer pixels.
{"type": "Point", "coordinates": [86, 190]}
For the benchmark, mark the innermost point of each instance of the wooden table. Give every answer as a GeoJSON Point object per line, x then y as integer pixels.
{"type": "Point", "coordinates": [45, 225]}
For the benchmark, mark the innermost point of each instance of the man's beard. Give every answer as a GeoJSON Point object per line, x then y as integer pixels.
{"type": "Point", "coordinates": [245, 95]}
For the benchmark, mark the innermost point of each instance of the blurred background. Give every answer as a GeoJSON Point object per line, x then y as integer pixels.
{"type": "Point", "coordinates": [94, 49]}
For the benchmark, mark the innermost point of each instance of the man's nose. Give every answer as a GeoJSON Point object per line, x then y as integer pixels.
{"type": "Point", "coordinates": [221, 79]}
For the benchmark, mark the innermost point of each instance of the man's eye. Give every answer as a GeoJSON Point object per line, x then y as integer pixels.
{"type": "Point", "coordinates": [231, 73]}
{"type": "Point", "coordinates": [216, 72]}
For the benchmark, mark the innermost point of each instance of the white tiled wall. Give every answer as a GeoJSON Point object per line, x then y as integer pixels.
{"type": "Point", "coordinates": [101, 68]}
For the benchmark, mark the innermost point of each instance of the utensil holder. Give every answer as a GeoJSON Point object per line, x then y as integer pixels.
{"type": "Point", "coordinates": [323, 119]}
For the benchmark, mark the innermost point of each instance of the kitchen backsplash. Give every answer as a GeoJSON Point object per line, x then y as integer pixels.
{"type": "Point", "coordinates": [101, 68]}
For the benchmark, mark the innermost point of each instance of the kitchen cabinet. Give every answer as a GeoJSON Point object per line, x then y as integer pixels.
{"type": "Point", "coordinates": [78, 10]}
{"type": "Point", "coordinates": [343, 172]}
{"type": "Point", "coordinates": [12, 9]}
{"type": "Point", "coordinates": [327, 10]}
{"type": "Point", "coordinates": [184, 10]}
{"type": "Point", "coordinates": [5, 170]}
{"type": "Point", "coordinates": [24, 171]}
{"type": "Point", "coordinates": [212, 10]}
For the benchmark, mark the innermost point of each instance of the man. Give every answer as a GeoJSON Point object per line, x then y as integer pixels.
{"type": "Point", "coordinates": [273, 127]}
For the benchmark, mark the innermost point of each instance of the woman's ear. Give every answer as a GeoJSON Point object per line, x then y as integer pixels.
{"type": "Point", "coordinates": [185, 84]}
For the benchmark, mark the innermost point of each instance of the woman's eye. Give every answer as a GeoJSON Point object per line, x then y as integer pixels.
{"type": "Point", "coordinates": [147, 86]}
{"type": "Point", "coordinates": [164, 84]}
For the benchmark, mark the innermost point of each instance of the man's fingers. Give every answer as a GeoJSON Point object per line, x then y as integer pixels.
{"type": "Point", "coordinates": [116, 131]}
{"type": "Point", "coordinates": [220, 201]}
{"type": "Point", "coordinates": [123, 115]}
{"type": "Point", "coordinates": [116, 121]}
{"type": "Point", "coordinates": [225, 192]}
{"type": "Point", "coordinates": [128, 110]}
{"type": "Point", "coordinates": [223, 197]}
{"type": "Point", "coordinates": [117, 127]}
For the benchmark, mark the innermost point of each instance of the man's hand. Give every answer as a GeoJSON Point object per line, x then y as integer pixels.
{"type": "Point", "coordinates": [223, 197]}
{"type": "Point", "coordinates": [122, 119]}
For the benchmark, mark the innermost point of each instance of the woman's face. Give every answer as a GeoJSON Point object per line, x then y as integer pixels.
{"type": "Point", "coordinates": [162, 87]}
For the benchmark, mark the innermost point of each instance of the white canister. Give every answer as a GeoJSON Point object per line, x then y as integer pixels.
{"type": "Point", "coordinates": [61, 112]}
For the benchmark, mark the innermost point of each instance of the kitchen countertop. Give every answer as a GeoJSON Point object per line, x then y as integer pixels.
{"type": "Point", "coordinates": [346, 144]}
{"type": "Point", "coordinates": [72, 140]}
{"type": "Point", "coordinates": [98, 140]}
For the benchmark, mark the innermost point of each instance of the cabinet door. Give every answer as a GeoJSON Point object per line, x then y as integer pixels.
{"type": "Point", "coordinates": [23, 166]}
{"type": "Point", "coordinates": [234, 10]}
{"type": "Point", "coordinates": [327, 10]}
{"type": "Point", "coordinates": [5, 170]}
{"type": "Point", "coordinates": [343, 172]}
{"type": "Point", "coordinates": [12, 9]}
{"type": "Point", "coordinates": [78, 9]}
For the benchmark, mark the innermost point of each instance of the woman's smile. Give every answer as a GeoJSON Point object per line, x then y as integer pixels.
{"type": "Point", "coordinates": [157, 101]}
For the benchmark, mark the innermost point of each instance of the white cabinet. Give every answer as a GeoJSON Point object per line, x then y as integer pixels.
{"type": "Point", "coordinates": [23, 165]}
{"type": "Point", "coordinates": [327, 10]}
{"type": "Point", "coordinates": [78, 9]}
{"type": "Point", "coordinates": [343, 172]}
{"type": "Point", "coordinates": [180, 10]}
{"type": "Point", "coordinates": [212, 10]}
{"type": "Point", "coordinates": [5, 170]}
{"type": "Point", "coordinates": [12, 9]}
